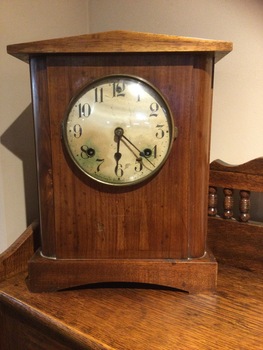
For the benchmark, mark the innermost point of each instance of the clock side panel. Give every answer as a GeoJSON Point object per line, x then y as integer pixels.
{"type": "Point", "coordinates": [40, 92]}
{"type": "Point", "coordinates": [200, 131]}
{"type": "Point", "coordinates": [153, 219]}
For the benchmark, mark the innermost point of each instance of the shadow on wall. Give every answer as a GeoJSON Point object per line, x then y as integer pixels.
{"type": "Point", "coordinates": [19, 139]}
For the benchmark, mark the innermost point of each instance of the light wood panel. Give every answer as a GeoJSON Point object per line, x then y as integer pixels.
{"type": "Point", "coordinates": [120, 41]}
{"type": "Point", "coordinates": [135, 318]}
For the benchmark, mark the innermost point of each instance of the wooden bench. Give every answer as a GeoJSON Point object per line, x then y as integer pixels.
{"type": "Point", "coordinates": [233, 237]}
{"type": "Point", "coordinates": [131, 317]}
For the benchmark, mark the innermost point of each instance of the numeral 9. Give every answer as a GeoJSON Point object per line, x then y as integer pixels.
{"type": "Point", "coordinates": [77, 131]}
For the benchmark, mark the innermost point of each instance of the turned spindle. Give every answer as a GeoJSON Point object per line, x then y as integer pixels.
{"type": "Point", "coordinates": [228, 203]}
{"type": "Point", "coordinates": [212, 201]}
{"type": "Point", "coordinates": [244, 205]}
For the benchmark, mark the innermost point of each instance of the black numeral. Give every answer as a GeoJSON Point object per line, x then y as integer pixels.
{"type": "Point", "coordinates": [98, 95]}
{"type": "Point", "coordinates": [101, 161]}
{"type": "Point", "coordinates": [160, 132]}
{"type": "Point", "coordinates": [118, 89]}
{"type": "Point", "coordinates": [154, 151]}
{"type": "Point", "coordinates": [154, 107]}
{"type": "Point", "coordinates": [77, 129]}
{"type": "Point", "coordinates": [138, 167]}
{"type": "Point", "coordinates": [84, 110]}
{"type": "Point", "coordinates": [118, 170]}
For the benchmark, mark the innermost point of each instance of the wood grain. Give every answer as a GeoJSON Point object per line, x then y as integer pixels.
{"type": "Point", "coordinates": [247, 176]}
{"type": "Point", "coordinates": [236, 243]}
{"type": "Point", "coordinates": [194, 276]}
{"type": "Point", "coordinates": [82, 219]}
{"type": "Point", "coordinates": [136, 318]}
{"type": "Point", "coordinates": [39, 85]}
{"type": "Point", "coordinates": [119, 41]}
{"type": "Point", "coordinates": [252, 167]}
{"type": "Point", "coordinates": [164, 218]}
{"type": "Point", "coordinates": [15, 259]}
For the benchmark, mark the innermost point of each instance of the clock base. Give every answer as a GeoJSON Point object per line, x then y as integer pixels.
{"type": "Point", "coordinates": [193, 276]}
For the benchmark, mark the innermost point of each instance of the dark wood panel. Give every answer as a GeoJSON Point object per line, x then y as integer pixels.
{"type": "Point", "coordinates": [15, 258]}
{"type": "Point", "coordinates": [142, 212]}
{"type": "Point", "coordinates": [253, 167]}
{"type": "Point", "coordinates": [189, 275]}
{"type": "Point", "coordinates": [199, 149]}
{"type": "Point", "coordinates": [41, 109]}
{"type": "Point", "coordinates": [19, 330]}
{"type": "Point", "coordinates": [236, 180]}
{"type": "Point", "coordinates": [236, 243]}
{"type": "Point", "coordinates": [247, 176]}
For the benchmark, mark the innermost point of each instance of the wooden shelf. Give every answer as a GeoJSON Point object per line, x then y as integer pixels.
{"type": "Point", "coordinates": [135, 318]}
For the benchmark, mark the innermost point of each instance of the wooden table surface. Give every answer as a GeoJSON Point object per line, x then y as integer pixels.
{"type": "Point", "coordinates": [144, 318]}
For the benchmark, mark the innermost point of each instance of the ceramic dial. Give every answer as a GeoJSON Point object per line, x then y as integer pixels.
{"type": "Point", "coordinates": [119, 130]}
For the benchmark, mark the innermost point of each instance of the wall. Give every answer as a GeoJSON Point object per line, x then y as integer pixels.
{"type": "Point", "coordinates": [238, 94]}
{"type": "Point", "coordinates": [22, 21]}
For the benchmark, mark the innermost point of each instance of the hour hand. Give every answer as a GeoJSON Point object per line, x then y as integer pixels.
{"type": "Point", "coordinates": [117, 156]}
{"type": "Point", "coordinates": [118, 132]}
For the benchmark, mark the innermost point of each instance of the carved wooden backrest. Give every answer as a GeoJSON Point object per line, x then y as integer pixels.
{"type": "Point", "coordinates": [245, 178]}
{"type": "Point", "coordinates": [234, 239]}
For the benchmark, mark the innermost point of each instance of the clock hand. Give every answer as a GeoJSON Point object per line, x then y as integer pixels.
{"type": "Point", "coordinates": [130, 149]}
{"type": "Point", "coordinates": [118, 132]}
{"type": "Point", "coordinates": [132, 144]}
{"type": "Point", "coordinates": [141, 153]}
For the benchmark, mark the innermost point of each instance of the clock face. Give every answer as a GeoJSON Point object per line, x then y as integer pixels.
{"type": "Point", "coordinates": [119, 130]}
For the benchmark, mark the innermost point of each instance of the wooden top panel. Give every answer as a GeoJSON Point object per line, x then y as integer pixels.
{"type": "Point", "coordinates": [247, 176]}
{"type": "Point", "coordinates": [119, 41]}
{"type": "Point", "coordinates": [253, 167]}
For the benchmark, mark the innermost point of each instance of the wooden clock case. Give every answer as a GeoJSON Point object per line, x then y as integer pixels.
{"type": "Point", "coordinates": [153, 232]}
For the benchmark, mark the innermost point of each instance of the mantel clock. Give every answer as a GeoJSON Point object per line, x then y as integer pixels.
{"type": "Point", "coordinates": [122, 127]}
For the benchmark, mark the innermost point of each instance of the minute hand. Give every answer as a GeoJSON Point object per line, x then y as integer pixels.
{"type": "Point", "coordinates": [140, 152]}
